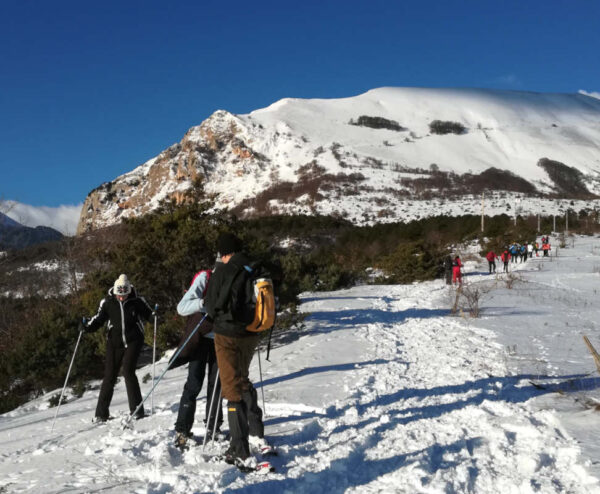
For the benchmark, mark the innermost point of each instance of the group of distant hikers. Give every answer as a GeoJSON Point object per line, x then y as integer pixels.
{"type": "Point", "coordinates": [517, 252]}
{"type": "Point", "coordinates": [514, 252]}
{"type": "Point", "coordinates": [217, 337]}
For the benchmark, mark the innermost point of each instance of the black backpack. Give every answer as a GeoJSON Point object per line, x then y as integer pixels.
{"type": "Point", "coordinates": [252, 298]}
{"type": "Point", "coordinates": [240, 295]}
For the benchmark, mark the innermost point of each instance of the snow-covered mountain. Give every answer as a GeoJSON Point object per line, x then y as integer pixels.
{"type": "Point", "coordinates": [379, 156]}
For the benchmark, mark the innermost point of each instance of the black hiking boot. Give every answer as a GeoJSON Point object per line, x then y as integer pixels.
{"type": "Point", "coordinates": [181, 441]}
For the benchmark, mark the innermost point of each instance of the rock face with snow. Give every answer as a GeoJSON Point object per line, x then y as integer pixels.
{"type": "Point", "coordinates": [387, 155]}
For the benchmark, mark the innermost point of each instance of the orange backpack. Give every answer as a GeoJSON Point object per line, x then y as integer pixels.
{"type": "Point", "coordinates": [264, 311]}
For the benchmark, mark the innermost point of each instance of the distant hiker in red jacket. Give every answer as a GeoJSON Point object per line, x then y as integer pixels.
{"type": "Point", "coordinates": [491, 259]}
{"type": "Point", "coordinates": [456, 274]}
{"type": "Point", "coordinates": [546, 249]}
{"type": "Point", "coordinates": [505, 259]}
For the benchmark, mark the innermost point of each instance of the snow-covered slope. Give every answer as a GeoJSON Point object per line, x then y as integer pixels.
{"type": "Point", "coordinates": [383, 392]}
{"type": "Point", "coordinates": [308, 156]}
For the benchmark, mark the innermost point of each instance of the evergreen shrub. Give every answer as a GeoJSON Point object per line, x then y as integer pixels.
{"type": "Point", "coordinates": [161, 251]}
{"type": "Point", "coordinates": [442, 127]}
{"type": "Point", "coordinates": [377, 123]}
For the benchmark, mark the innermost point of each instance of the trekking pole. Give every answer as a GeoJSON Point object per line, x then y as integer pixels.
{"type": "Point", "coordinates": [269, 344]}
{"type": "Point", "coordinates": [210, 411]}
{"type": "Point", "coordinates": [262, 388]}
{"type": "Point", "coordinates": [217, 414]}
{"type": "Point", "coordinates": [153, 359]}
{"type": "Point", "coordinates": [132, 414]}
{"type": "Point", "coordinates": [66, 379]}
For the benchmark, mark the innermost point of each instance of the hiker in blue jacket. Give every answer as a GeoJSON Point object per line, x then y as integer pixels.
{"type": "Point", "coordinates": [523, 252]}
{"type": "Point", "coordinates": [200, 353]}
{"type": "Point", "coordinates": [514, 252]}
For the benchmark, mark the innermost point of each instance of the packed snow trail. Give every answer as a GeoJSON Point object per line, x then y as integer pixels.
{"type": "Point", "coordinates": [384, 391]}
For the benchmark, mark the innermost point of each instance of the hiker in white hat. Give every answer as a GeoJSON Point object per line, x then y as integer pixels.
{"type": "Point", "coordinates": [124, 310]}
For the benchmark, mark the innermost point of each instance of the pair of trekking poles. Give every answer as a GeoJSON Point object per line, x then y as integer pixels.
{"type": "Point", "coordinates": [73, 359]}
{"type": "Point", "coordinates": [156, 381]}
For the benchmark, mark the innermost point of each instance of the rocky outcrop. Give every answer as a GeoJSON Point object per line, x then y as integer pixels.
{"type": "Point", "coordinates": [169, 176]}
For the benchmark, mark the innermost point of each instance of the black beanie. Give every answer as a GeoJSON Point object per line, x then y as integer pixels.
{"type": "Point", "coordinates": [228, 243]}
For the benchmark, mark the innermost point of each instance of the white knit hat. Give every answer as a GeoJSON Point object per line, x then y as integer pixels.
{"type": "Point", "coordinates": [122, 286]}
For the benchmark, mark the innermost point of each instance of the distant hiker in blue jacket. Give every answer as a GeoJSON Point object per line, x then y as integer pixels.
{"type": "Point", "coordinates": [514, 252]}
{"type": "Point", "coordinates": [523, 252]}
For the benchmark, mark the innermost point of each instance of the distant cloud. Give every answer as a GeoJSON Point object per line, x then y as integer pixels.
{"type": "Point", "coordinates": [62, 218]}
{"type": "Point", "coordinates": [508, 80]}
{"type": "Point", "coordinates": [592, 94]}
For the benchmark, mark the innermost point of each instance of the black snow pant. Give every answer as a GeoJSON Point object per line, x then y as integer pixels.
{"type": "Point", "coordinates": [193, 385]}
{"type": "Point", "coordinates": [506, 266]}
{"type": "Point", "coordinates": [448, 275]}
{"type": "Point", "coordinates": [492, 266]}
{"type": "Point", "coordinates": [117, 354]}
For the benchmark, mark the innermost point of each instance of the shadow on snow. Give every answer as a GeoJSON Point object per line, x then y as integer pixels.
{"type": "Point", "coordinates": [359, 469]}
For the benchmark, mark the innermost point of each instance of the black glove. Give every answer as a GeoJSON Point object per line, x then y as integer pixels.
{"type": "Point", "coordinates": [82, 327]}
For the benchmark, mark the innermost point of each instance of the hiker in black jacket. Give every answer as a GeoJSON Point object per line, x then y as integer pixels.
{"type": "Point", "coordinates": [124, 310]}
{"type": "Point", "coordinates": [235, 347]}
{"type": "Point", "coordinates": [448, 269]}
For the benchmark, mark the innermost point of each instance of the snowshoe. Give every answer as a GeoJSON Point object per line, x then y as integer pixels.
{"type": "Point", "coordinates": [260, 446]}
{"type": "Point", "coordinates": [250, 465]}
{"type": "Point", "coordinates": [264, 467]}
{"type": "Point", "coordinates": [247, 465]}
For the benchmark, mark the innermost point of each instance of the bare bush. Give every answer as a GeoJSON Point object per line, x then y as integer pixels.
{"type": "Point", "coordinates": [472, 295]}
{"type": "Point", "coordinates": [467, 299]}
{"type": "Point", "coordinates": [511, 279]}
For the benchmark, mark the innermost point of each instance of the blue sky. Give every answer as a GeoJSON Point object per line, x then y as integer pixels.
{"type": "Point", "coordinates": [90, 90]}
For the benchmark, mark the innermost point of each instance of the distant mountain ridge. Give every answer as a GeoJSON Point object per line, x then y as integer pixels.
{"type": "Point", "coordinates": [386, 155]}
{"type": "Point", "coordinates": [13, 235]}
{"type": "Point", "coordinates": [6, 221]}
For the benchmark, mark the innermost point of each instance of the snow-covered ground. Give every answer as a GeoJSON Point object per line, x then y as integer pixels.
{"type": "Point", "coordinates": [384, 391]}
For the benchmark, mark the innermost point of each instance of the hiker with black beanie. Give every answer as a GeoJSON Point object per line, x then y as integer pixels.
{"type": "Point", "coordinates": [235, 347]}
